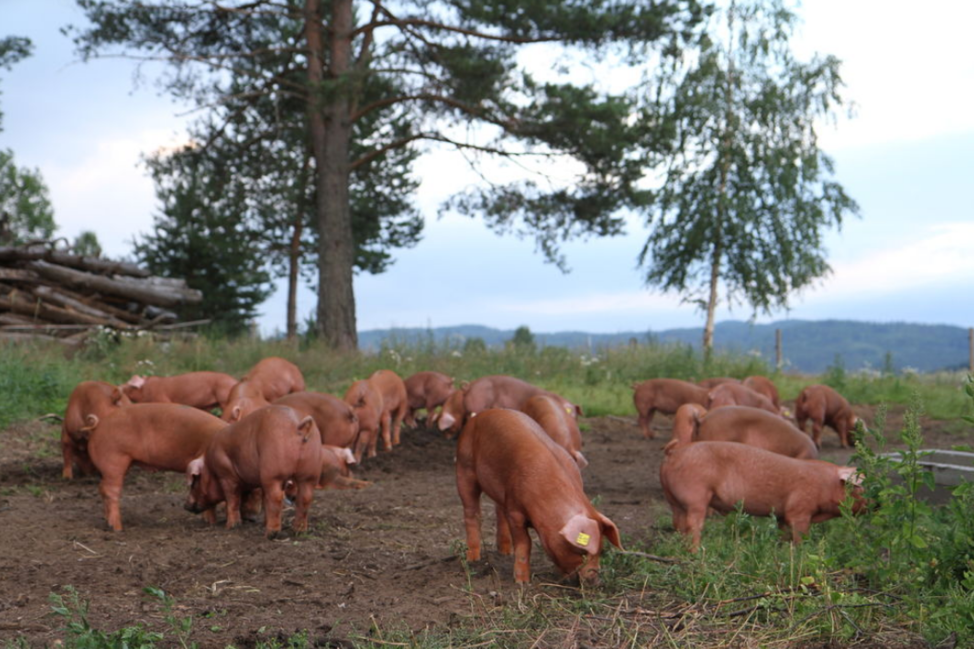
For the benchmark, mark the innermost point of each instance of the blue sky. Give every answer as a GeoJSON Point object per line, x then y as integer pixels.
{"type": "Point", "coordinates": [907, 157]}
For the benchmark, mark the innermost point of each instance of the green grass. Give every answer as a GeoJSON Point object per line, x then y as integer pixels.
{"type": "Point", "coordinates": [901, 573]}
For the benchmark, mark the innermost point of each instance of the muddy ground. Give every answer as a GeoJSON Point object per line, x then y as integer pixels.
{"type": "Point", "coordinates": [383, 557]}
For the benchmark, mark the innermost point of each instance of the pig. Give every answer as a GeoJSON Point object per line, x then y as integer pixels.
{"type": "Point", "coordinates": [712, 383]}
{"type": "Point", "coordinates": [275, 377]}
{"type": "Point", "coordinates": [764, 385]}
{"type": "Point", "coordinates": [394, 404]}
{"type": "Point", "coordinates": [495, 391]}
{"type": "Point", "coordinates": [664, 395]}
{"type": "Point", "coordinates": [88, 397]}
{"type": "Point", "coordinates": [427, 390]}
{"type": "Point", "coordinates": [366, 402]}
{"type": "Point", "coordinates": [159, 436]}
{"type": "Point", "coordinates": [741, 424]}
{"type": "Point", "coordinates": [557, 421]}
{"type": "Point", "coordinates": [203, 390]}
{"type": "Point", "coordinates": [825, 407]}
{"type": "Point", "coordinates": [534, 483]}
{"type": "Point", "coordinates": [335, 419]}
{"type": "Point", "coordinates": [245, 397]}
{"type": "Point", "coordinates": [735, 394]}
{"type": "Point", "coordinates": [269, 379]}
{"type": "Point", "coordinates": [264, 450]}
{"type": "Point", "coordinates": [720, 475]}
{"type": "Point", "coordinates": [335, 469]}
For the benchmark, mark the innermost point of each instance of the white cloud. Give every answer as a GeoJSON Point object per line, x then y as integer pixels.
{"type": "Point", "coordinates": [109, 191]}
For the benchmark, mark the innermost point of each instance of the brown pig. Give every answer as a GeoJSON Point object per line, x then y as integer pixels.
{"type": "Point", "coordinates": [764, 385]}
{"type": "Point", "coordinates": [752, 426]}
{"type": "Point", "coordinates": [203, 390]}
{"type": "Point", "coordinates": [720, 475]}
{"type": "Point", "coordinates": [336, 420]}
{"type": "Point", "coordinates": [494, 391]}
{"type": "Point", "coordinates": [735, 394]}
{"type": "Point", "coordinates": [394, 404]}
{"type": "Point", "coordinates": [558, 421]}
{"type": "Point", "coordinates": [335, 469]}
{"type": "Point", "coordinates": [269, 379]}
{"type": "Point", "coordinates": [712, 383]}
{"type": "Point", "coordinates": [88, 398]}
{"type": "Point", "coordinates": [427, 390]}
{"type": "Point", "coordinates": [664, 395]}
{"type": "Point", "coordinates": [366, 402]}
{"type": "Point", "coordinates": [159, 436]}
{"type": "Point", "coordinates": [825, 407]}
{"type": "Point", "coordinates": [534, 483]}
{"type": "Point", "coordinates": [264, 450]}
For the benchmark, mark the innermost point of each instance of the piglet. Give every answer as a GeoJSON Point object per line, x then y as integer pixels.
{"type": "Point", "coordinates": [336, 471]}
{"type": "Point", "coordinates": [764, 385]}
{"type": "Point", "coordinates": [335, 418]}
{"type": "Point", "coordinates": [534, 483]}
{"type": "Point", "coordinates": [264, 450]}
{"type": "Point", "coordinates": [203, 390]}
{"type": "Point", "coordinates": [720, 475]}
{"type": "Point", "coordinates": [427, 390]}
{"type": "Point", "coordinates": [825, 407]}
{"type": "Point", "coordinates": [753, 426]}
{"type": "Point", "coordinates": [395, 402]}
{"type": "Point", "coordinates": [735, 394]}
{"type": "Point", "coordinates": [663, 395]}
{"type": "Point", "coordinates": [494, 391]}
{"type": "Point", "coordinates": [366, 402]}
{"type": "Point", "coordinates": [269, 379]}
{"type": "Point", "coordinates": [558, 421]}
{"type": "Point", "coordinates": [88, 398]}
{"type": "Point", "coordinates": [159, 436]}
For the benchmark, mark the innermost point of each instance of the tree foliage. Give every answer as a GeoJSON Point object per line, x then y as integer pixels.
{"type": "Point", "coordinates": [199, 238]}
{"type": "Point", "coordinates": [26, 213]}
{"type": "Point", "coordinates": [374, 83]}
{"type": "Point", "coordinates": [747, 192]}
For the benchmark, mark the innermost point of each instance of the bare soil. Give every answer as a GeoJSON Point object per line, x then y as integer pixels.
{"type": "Point", "coordinates": [384, 557]}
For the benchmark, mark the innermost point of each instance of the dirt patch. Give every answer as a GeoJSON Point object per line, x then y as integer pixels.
{"type": "Point", "coordinates": [385, 556]}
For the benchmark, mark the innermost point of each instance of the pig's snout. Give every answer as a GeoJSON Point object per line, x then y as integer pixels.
{"type": "Point", "coordinates": [192, 506]}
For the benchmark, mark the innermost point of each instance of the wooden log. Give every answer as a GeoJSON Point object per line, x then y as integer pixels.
{"type": "Point", "coordinates": [94, 264]}
{"type": "Point", "coordinates": [24, 337]}
{"type": "Point", "coordinates": [145, 292]}
{"type": "Point", "coordinates": [19, 275]}
{"type": "Point", "coordinates": [14, 319]}
{"type": "Point", "coordinates": [57, 297]}
{"type": "Point", "coordinates": [53, 329]}
{"type": "Point", "coordinates": [39, 310]}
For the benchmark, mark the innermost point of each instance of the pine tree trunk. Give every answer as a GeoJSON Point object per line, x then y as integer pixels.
{"type": "Point", "coordinates": [331, 133]}
{"type": "Point", "coordinates": [294, 253]}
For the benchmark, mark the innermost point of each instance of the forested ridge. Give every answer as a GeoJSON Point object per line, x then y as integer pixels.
{"type": "Point", "coordinates": [809, 346]}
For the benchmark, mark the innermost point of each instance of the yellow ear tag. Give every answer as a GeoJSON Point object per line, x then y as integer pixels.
{"type": "Point", "coordinates": [583, 539]}
{"type": "Point", "coordinates": [569, 409]}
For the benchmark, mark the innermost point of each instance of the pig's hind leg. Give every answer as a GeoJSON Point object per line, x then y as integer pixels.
{"type": "Point", "coordinates": [469, 492]}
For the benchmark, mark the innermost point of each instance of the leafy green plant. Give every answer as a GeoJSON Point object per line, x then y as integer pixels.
{"type": "Point", "coordinates": [73, 610]}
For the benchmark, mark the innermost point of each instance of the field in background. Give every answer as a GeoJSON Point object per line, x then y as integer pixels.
{"type": "Point", "coordinates": [901, 577]}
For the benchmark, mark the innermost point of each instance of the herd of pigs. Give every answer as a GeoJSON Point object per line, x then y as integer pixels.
{"type": "Point", "coordinates": [732, 445]}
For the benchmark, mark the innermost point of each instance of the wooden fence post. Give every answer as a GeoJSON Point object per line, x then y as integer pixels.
{"type": "Point", "coordinates": [777, 349]}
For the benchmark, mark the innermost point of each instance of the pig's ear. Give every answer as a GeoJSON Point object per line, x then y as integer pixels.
{"type": "Point", "coordinates": [348, 455]}
{"type": "Point", "coordinates": [580, 459]}
{"type": "Point", "coordinates": [118, 396]}
{"type": "Point", "coordinates": [193, 470]}
{"type": "Point", "coordinates": [578, 411]}
{"type": "Point", "coordinates": [234, 415]}
{"type": "Point", "coordinates": [582, 532]}
{"type": "Point", "coordinates": [306, 427]}
{"type": "Point", "coordinates": [610, 531]}
{"type": "Point", "coordinates": [137, 381]}
{"type": "Point", "coordinates": [445, 421]}
{"type": "Point", "coordinates": [849, 474]}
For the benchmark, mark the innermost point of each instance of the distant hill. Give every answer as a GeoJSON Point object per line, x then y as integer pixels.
{"type": "Point", "coordinates": [809, 346]}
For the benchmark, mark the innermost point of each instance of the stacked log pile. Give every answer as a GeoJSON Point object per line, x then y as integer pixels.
{"type": "Point", "coordinates": [49, 293]}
